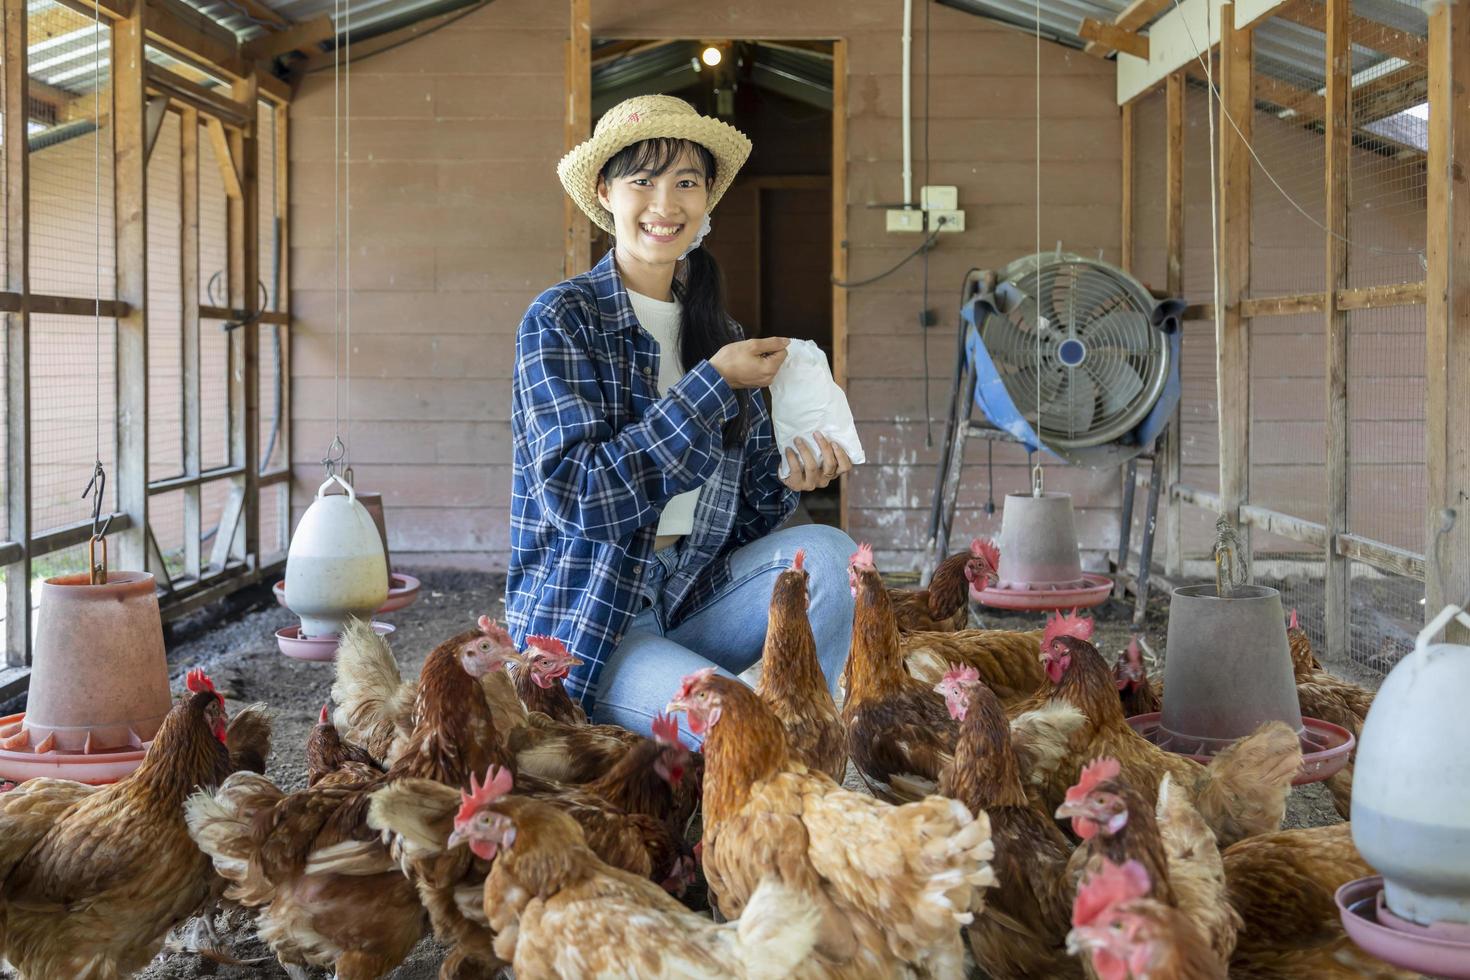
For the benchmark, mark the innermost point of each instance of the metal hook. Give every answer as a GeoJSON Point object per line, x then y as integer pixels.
{"type": "Point", "coordinates": [97, 490]}
{"type": "Point", "coordinates": [336, 452]}
{"type": "Point", "coordinates": [1036, 480]}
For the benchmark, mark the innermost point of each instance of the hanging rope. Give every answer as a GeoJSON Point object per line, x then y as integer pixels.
{"type": "Point", "coordinates": [347, 215]}
{"type": "Point", "coordinates": [336, 450]}
{"type": "Point", "coordinates": [97, 486]}
{"type": "Point", "coordinates": [1036, 469]}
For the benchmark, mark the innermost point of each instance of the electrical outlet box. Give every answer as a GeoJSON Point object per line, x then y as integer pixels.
{"type": "Point", "coordinates": [953, 220]}
{"type": "Point", "coordinates": [905, 219]}
{"type": "Point", "coordinates": [939, 198]}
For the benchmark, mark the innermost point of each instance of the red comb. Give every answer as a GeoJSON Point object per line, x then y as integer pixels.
{"type": "Point", "coordinates": [1097, 771]}
{"type": "Point", "coordinates": [1135, 654]}
{"type": "Point", "coordinates": [691, 681]}
{"type": "Point", "coordinates": [799, 560]}
{"type": "Point", "coordinates": [864, 556]}
{"type": "Point", "coordinates": [1110, 885]}
{"type": "Point", "coordinates": [1293, 625]}
{"type": "Point", "coordinates": [197, 680]}
{"type": "Point", "coordinates": [323, 719]}
{"type": "Point", "coordinates": [493, 630]}
{"type": "Point", "coordinates": [962, 674]}
{"type": "Point", "coordinates": [985, 548]}
{"type": "Point", "coordinates": [666, 730]}
{"type": "Point", "coordinates": [1071, 624]}
{"type": "Point", "coordinates": [498, 782]}
{"type": "Point", "coordinates": [547, 644]}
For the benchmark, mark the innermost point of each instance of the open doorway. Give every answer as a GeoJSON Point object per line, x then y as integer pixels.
{"type": "Point", "coordinates": [772, 232]}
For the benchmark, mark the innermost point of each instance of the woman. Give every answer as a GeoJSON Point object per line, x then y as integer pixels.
{"type": "Point", "coordinates": [646, 482]}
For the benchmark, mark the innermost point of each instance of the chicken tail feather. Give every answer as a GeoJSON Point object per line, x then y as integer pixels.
{"type": "Point", "coordinates": [374, 701]}
{"type": "Point", "coordinates": [221, 826]}
{"type": "Point", "coordinates": [776, 930]}
{"type": "Point", "coordinates": [1245, 787]}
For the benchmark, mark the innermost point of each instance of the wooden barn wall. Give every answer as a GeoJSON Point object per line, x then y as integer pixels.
{"type": "Point", "coordinates": [456, 226]}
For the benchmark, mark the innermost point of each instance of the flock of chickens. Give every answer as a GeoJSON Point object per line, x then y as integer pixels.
{"type": "Point", "coordinates": [1012, 810]}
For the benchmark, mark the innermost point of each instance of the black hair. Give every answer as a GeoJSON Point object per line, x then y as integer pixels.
{"type": "Point", "coordinates": [705, 325]}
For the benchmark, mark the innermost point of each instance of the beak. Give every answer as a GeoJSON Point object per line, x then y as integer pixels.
{"type": "Point", "coordinates": [573, 662]}
{"type": "Point", "coordinates": [676, 705]}
{"type": "Point", "coordinates": [1071, 810]}
{"type": "Point", "coordinates": [457, 838]}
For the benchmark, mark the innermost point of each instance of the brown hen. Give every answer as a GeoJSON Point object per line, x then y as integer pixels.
{"type": "Point", "coordinates": [944, 606]}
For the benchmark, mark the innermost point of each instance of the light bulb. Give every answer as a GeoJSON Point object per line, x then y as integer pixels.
{"type": "Point", "coordinates": [711, 56]}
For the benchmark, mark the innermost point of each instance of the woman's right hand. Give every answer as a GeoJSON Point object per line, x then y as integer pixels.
{"type": "Point", "coordinates": [750, 363]}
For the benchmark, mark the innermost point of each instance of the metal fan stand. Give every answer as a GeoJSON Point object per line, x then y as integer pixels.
{"type": "Point", "coordinates": [961, 426]}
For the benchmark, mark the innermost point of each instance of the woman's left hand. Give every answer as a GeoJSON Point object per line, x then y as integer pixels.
{"type": "Point", "coordinates": [806, 472]}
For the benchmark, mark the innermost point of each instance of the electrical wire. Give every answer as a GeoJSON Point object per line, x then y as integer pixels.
{"type": "Point", "coordinates": [924, 246]}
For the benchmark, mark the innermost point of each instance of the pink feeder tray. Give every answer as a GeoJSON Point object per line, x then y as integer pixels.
{"type": "Point", "coordinates": [403, 591]}
{"type": "Point", "coordinates": [1439, 950]}
{"type": "Point", "coordinates": [319, 649]}
{"type": "Point", "coordinates": [1094, 592]}
{"type": "Point", "coordinates": [1326, 747]}
{"type": "Point", "coordinates": [92, 768]}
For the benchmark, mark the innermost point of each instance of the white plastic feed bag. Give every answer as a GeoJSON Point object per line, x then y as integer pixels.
{"type": "Point", "coordinates": [805, 400]}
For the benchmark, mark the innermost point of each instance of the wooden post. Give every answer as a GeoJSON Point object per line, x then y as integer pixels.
{"type": "Point", "coordinates": [244, 240]}
{"type": "Point", "coordinates": [1447, 316]}
{"type": "Point", "coordinates": [1174, 285]}
{"type": "Point", "coordinates": [18, 336]}
{"type": "Point", "coordinates": [1233, 345]}
{"type": "Point", "coordinates": [577, 128]}
{"type": "Point", "coordinates": [189, 305]}
{"type": "Point", "coordinates": [1338, 142]}
{"type": "Point", "coordinates": [130, 178]}
{"type": "Point", "coordinates": [1127, 216]}
{"type": "Point", "coordinates": [283, 304]}
{"type": "Point", "coordinates": [839, 238]}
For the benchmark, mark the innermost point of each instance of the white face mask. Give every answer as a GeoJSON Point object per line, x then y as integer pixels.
{"type": "Point", "coordinates": [703, 230]}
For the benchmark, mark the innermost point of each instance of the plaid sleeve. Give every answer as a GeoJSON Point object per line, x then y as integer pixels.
{"type": "Point", "coordinates": [590, 481]}
{"type": "Point", "coordinates": [764, 500]}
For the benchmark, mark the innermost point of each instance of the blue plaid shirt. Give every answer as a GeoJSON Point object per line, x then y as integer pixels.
{"type": "Point", "coordinates": [598, 453]}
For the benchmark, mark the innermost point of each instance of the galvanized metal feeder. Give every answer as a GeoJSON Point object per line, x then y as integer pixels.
{"type": "Point", "coordinates": [1039, 565]}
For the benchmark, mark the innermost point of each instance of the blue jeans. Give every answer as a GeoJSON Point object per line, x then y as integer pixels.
{"type": "Point", "coordinates": [729, 630]}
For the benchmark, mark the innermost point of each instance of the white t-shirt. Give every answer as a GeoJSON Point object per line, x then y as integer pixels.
{"type": "Point", "coordinates": [661, 319]}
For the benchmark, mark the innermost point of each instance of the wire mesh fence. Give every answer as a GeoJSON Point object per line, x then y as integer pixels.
{"type": "Point", "coordinates": [165, 306]}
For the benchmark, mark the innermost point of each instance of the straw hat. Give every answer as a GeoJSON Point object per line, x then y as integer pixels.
{"type": "Point", "coordinates": [641, 118]}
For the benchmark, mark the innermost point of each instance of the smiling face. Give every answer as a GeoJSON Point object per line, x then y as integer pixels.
{"type": "Point", "coordinates": [658, 193]}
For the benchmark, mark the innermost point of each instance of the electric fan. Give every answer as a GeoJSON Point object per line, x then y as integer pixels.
{"type": "Point", "coordinates": [1074, 356]}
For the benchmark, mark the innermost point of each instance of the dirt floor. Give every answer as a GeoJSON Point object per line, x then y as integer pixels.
{"type": "Point", "coordinates": [236, 646]}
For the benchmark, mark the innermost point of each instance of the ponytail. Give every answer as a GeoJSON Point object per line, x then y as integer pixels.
{"type": "Point", "coordinates": [706, 327]}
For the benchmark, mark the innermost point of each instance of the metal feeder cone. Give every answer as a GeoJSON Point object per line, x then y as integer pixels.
{"type": "Point", "coordinates": [1228, 669]}
{"type": "Point", "coordinates": [99, 680]}
{"type": "Point", "coordinates": [1038, 543]}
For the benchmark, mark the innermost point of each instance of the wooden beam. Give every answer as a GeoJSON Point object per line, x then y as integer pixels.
{"type": "Point", "coordinates": [1126, 238]}
{"type": "Point", "coordinates": [210, 101]}
{"type": "Point", "coordinates": [1384, 557]}
{"type": "Point", "coordinates": [306, 38]}
{"type": "Point", "coordinates": [46, 305]}
{"type": "Point", "coordinates": [1338, 145]}
{"type": "Point", "coordinates": [1232, 341]}
{"type": "Point", "coordinates": [17, 502]}
{"type": "Point", "coordinates": [1363, 32]}
{"type": "Point", "coordinates": [1114, 38]}
{"type": "Point", "coordinates": [224, 155]}
{"type": "Point", "coordinates": [192, 393]}
{"type": "Point", "coordinates": [1390, 93]}
{"type": "Point", "coordinates": [839, 242]}
{"type": "Point", "coordinates": [261, 12]}
{"type": "Point", "coordinates": [1174, 285]}
{"type": "Point", "coordinates": [1447, 318]}
{"type": "Point", "coordinates": [130, 181]}
{"type": "Point", "coordinates": [577, 126]}
{"type": "Point", "coordinates": [1134, 16]}
{"type": "Point", "coordinates": [1381, 297]}
{"type": "Point", "coordinates": [1284, 525]}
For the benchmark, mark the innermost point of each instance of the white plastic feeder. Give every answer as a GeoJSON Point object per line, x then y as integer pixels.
{"type": "Point", "coordinates": [335, 568]}
{"type": "Point", "coordinates": [1411, 788]}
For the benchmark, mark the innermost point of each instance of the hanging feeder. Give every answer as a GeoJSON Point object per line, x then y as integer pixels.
{"type": "Point", "coordinates": [1411, 812]}
{"type": "Point", "coordinates": [335, 567]}
{"type": "Point", "coordinates": [1039, 564]}
{"type": "Point", "coordinates": [99, 681]}
{"type": "Point", "coordinates": [403, 590]}
{"type": "Point", "coordinates": [1229, 671]}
